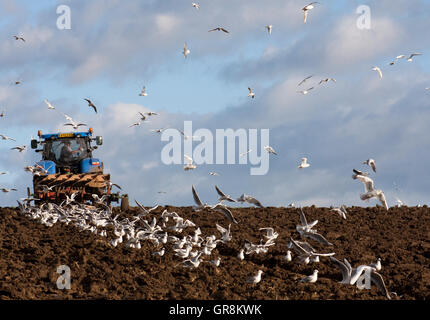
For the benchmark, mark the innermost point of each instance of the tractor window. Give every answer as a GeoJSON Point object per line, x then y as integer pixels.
{"type": "Point", "coordinates": [66, 151]}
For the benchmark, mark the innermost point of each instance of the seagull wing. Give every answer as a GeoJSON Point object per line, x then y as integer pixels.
{"type": "Point", "coordinates": [220, 192]}
{"type": "Point", "coordinates": [222, 29]}
{"type": "Point", "coordinates": [346, 272]}
{"type": "Point", "coordinates": [303, 220]}
{"type": "Point", "coordinates": [377, 279]}
{"type": "Point", "coordinates": [223, 209]}
{"type": "Point", "coordinates": [372, 164]}
{"type": "Point", "coordinates": [318, 237]}
{"type": "Point", "coordinates": [367, 182]}
{"type": "Point", "coordinates": [254, 201]}
{"type": "Point", "coordinates": [196, 198]}
{"type": "Point", "coordinates": [381, 198]}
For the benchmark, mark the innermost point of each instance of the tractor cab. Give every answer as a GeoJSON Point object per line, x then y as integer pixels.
{"type": "Point", "coordinates": [68, 152]}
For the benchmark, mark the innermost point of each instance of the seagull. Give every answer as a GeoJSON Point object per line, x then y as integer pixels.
{"type": "Point", "coordinates": [312, 278]}
{"type": "Point", "coordinates": [223, 196]}
{"type": "Point", "coordinates": [245, 153]}
{"type": "Point", "coordinates": [376, 265]}
{"type": "Point", "coordinates": [249, 199]}
{"type": "Point", "coordinates": [199, 204]}
{"type": "Point", "coordinates": [187, 137]}
{"type": "Point", "coordinates": [110, 184]}
{"type": "Point", "coordinates": [327, 80]}
{"type": "Point", "coordinates": [158, 130]}
{"type": "Point", "coordinates": [214, 173]}
{"type": "Point", "coordinates": [74, 124]}
{"type": "Point", "coordinates": [3, 172]}
{"type": "Point", "coordinates": [269, 28]}
{"type": "Point", "coordinates": [305, 10]}
{"type": "Point", "coordinates": [251, 94]}
{"type": "Point", "coordinates": [196, 5]}
{"type": "Point", "coordinates": [143, 92]}
{"type": "Point", "coordinates": [159, 253]}
{"type": "Point", "coordinates": [304, 80]}
{"type": "Point", "coordinates": [219, 207]}
{"type": "Point", "coordinates": [142, 116]}
{"type": "Point", "coordinates": [6, 190]}
{"type": "Point", "coordinates": [186, 51]}
{"type": "Point", "coordinates": [19, 148]}
{"type": "Point", "coordinates": [316, 236]}
{"type": "Point", "coordinates": [90, 104]}
{"type": "Point", "coordinates": [255, 279]}
{"type": "Point", "coordinates": [361, 173]}
{"type": "Point", "coordinates": [150, 113]}
{"type": "Point", "coordinates": [378, 70]}
{"type": "Point", "coordinates": [189, 165]}
{"type": "Point", "coordinates": [269, 149]}
{"type": "Point", "coordinates": [371, 163]}
{"type": "Point", "coordinates": [304, 163]}
{"type": "Point", "coordinates": [305, 91]}
{"type": "Point", "coordinates": [3, 137]}
{"type": "Point", "coordinates": [367, 182]}
{"type": "Point", "coordinates": [427, 88]}
{"type": "Point", "coordinates": [17, 82]}
{"type": "Point", "coordinates": [341, 211]}
{"type": "Point", "coordinates": [375, 194]}
{"type": "Point", "coordinates": [241, 254]}
{"type": "Point", "coordinates": [2, 114]}
{"type": "Point", "coordinates": [19, 38]}
{"type": "Point", "coordinates": [270, 233]}
{"type": "Point", "coordinates": [134, 124]}
{"type": "Point", "coordinates": [50, 106]}
{"type": "Point", "coordinates": [225, 233]}
{"type": "Point", "coordinates": [219, 29]}
{"type": "Point", "coordinates": [413, 55]}
{"type": "Point", "coordinates": [287, 257]}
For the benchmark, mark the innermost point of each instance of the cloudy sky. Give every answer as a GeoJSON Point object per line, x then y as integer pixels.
{"type": "Point", "coordinates": [115, 47]}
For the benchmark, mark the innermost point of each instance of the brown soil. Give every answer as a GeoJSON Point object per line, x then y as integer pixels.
{"type": "Point", "coordinates": [31, 252]}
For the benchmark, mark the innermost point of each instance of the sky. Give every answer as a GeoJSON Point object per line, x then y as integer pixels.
{"type": "Point", "coordinates": [114, 48]}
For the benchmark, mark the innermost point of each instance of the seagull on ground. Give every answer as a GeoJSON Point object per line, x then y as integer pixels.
{"type": "Point", "coordinates": [341, 211]}
{"type": "Point", "coordinates": [312, 278]}
{"type": "Point", "coordinates": [376, 265]}
{"type": "Point", "coordinates": [255, 279]}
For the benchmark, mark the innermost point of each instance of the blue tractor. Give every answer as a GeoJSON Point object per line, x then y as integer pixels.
{"type": "Point", "coordinates": [68, 167]}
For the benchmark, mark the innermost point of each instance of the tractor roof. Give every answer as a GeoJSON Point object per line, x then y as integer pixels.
{"type": "Point", "coordinates": [65, 135]}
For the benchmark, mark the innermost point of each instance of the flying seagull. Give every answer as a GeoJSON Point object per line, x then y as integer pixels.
{"type": "Point", "coordinates": [269, 28]}
{"type": "Point", "coordinates": [249, 199]}
{"type": "Point", "coordinates": [269, 149]}
{"type": "Point", "coordinates": [2, 114]}
{"type": "Point", "coordinates": [196, 5]}
{"type": "Point", "coordinates": [375, 194]}
{"type": "Point", "coordinates": [74, 124]}
{"type": "Point", "coordinates": [378, 70]}
{"type": "Point", "coordinates": [219, 29]}
{"type": "Point", "coordinates": [50, 106]}
{"type": "Point", "coordinates": [186, 51]}
{"type": "Point", "coordinates": [19, 148]}
{"type": "Point", "coordinates": [251, 93]}
{"type": "Point", "coordinates": [327, 80]}
{"type": "Point", "coordinates": [413, 55]}
{"type": "Point", "coordinates": [90, 104]}
{"type": "Point", "coordinates": [305, 91]}
{"type": "Point", "coordinates": [304, 163]}
{"type": "Point", "coordinates": [19, 38]}
{"type": "Point", "coordinates": [189, 165]}
{"type": "Point", "coordinates": [304, 80]}
{"type": "Point", "coordinates": [3, 137]}
{"type": "Point", "coordinates": [143, 92]}
{"type": "Point", "coordinates": [199, 204]}
{"type": "Point", "coordinates": [305, 10]}
{"type": "Point", "coordinates": [223, 196]}
{"type": "Point", "coordinates": [371, 163]}
{"type": "Point", "coordinates": [219, 207]}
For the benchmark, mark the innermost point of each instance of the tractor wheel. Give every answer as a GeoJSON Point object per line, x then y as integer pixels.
{"type": "Point", "coordinates": [124, 203]}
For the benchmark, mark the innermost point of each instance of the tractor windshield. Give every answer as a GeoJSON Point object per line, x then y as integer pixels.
{"type": "Point", "coordinates": [66, 151]}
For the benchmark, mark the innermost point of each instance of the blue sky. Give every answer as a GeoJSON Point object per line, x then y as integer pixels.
{"type": "Point", "coordinates": [115, 47]}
